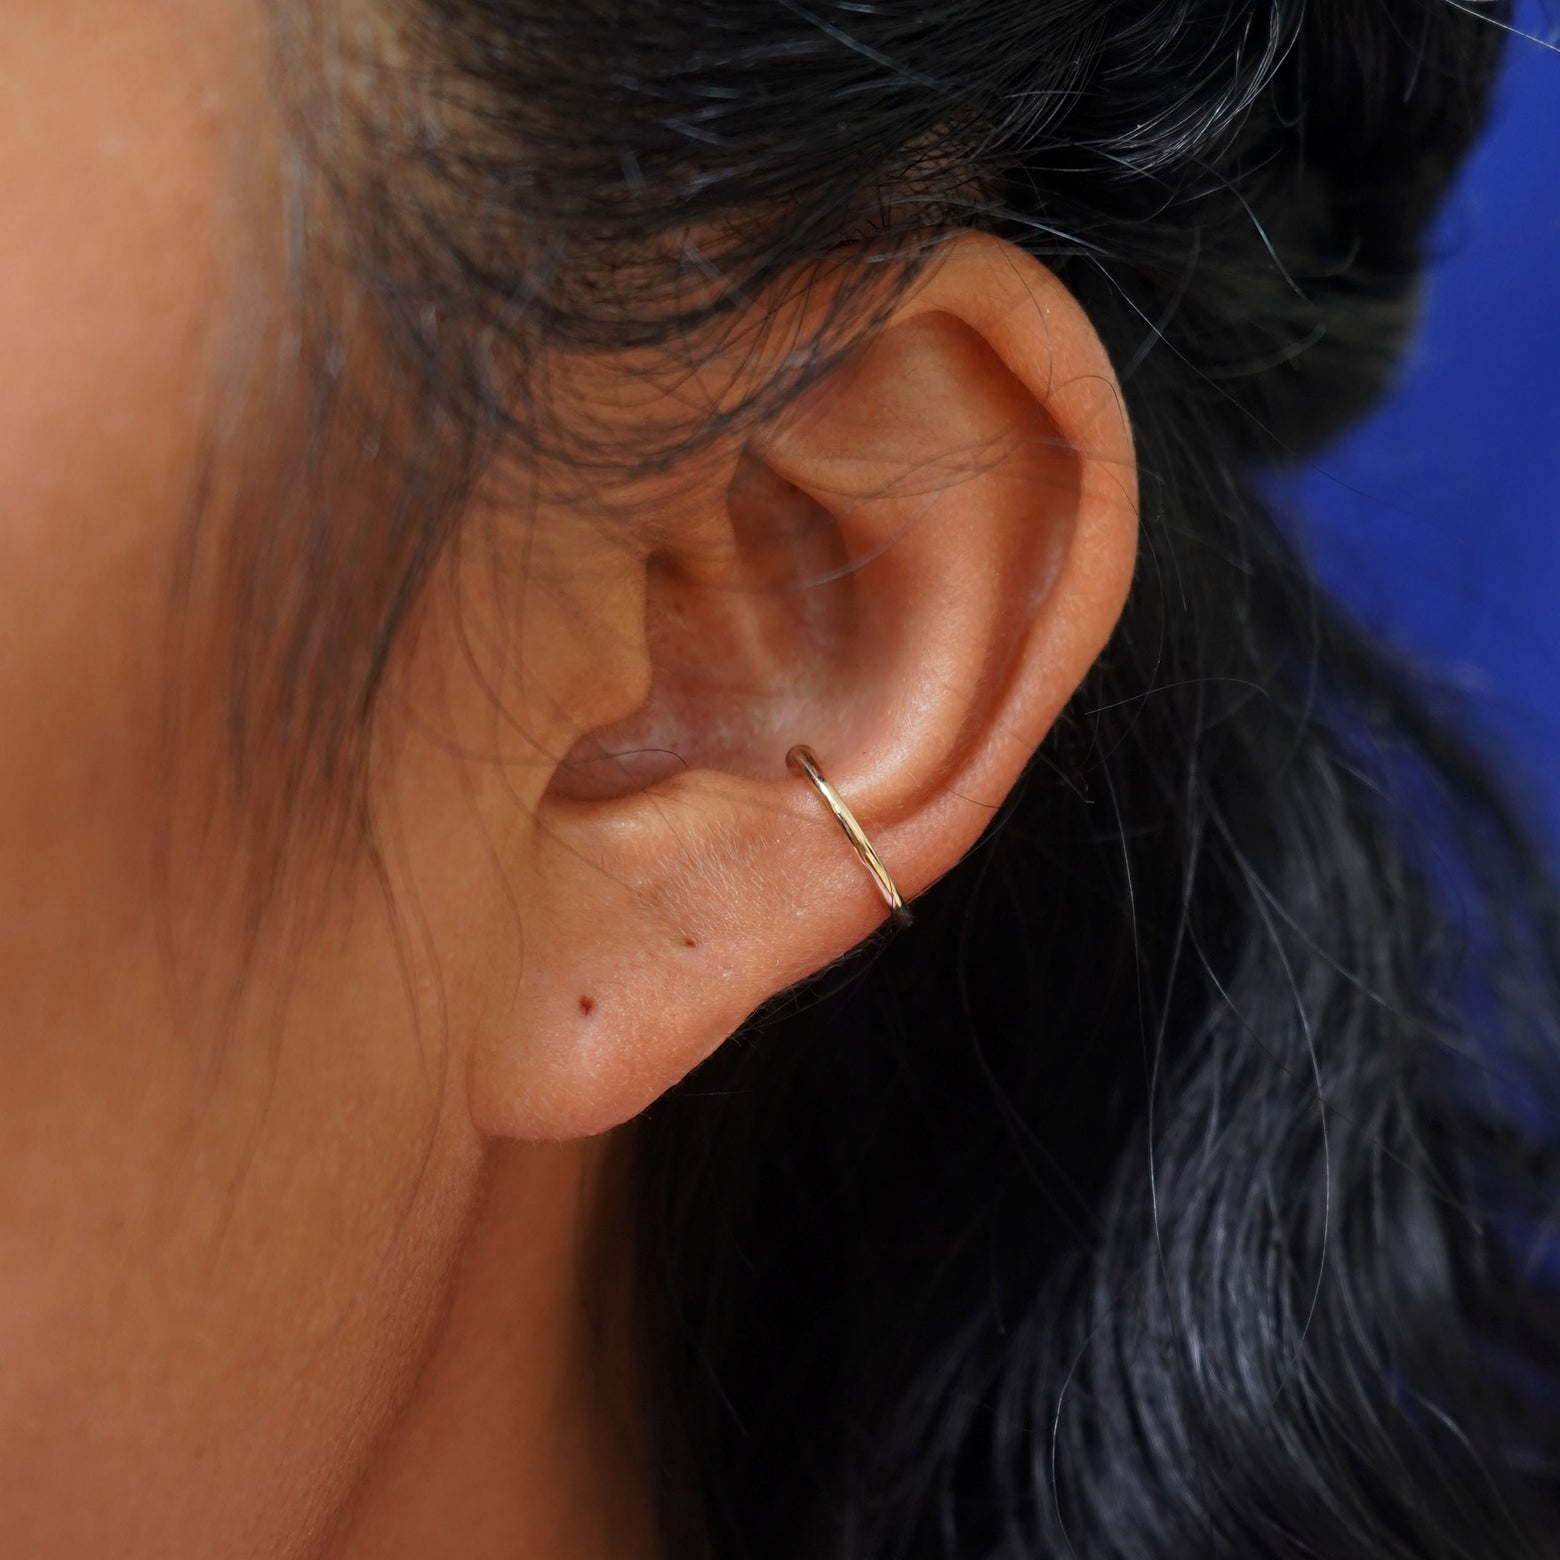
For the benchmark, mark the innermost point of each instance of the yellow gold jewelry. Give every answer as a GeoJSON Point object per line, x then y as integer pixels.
{"type": "Point", "coordinates": [805, 763]}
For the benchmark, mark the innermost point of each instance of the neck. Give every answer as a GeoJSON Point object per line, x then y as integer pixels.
{"type": "Point", "coordinates": [524, 1436]}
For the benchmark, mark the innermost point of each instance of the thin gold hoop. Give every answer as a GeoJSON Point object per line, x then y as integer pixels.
{"type": "Point", "coordinates": [805, 762]}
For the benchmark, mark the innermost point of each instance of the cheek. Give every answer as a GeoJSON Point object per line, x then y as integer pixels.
{"type": "Point", "coordinates": [214, 1223]}
{"type": "Point", "coordinates": [112, 172]}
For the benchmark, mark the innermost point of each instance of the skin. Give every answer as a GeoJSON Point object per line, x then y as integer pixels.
{"type": "Point", "coordinates": [316, 1238]}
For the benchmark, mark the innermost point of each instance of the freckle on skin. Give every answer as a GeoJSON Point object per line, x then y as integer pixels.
{"type": "Point", "coordinates": [587, 1004]}
{"type": "Point", "coordinates": [688, 942]}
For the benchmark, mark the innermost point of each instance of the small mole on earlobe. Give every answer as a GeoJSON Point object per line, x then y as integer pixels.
{"type": "Point", "coordinates": [587, 1005]}
{"type": "Point", "coordinates": [688, 942]}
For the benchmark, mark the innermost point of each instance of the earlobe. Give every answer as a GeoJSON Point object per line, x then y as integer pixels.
{"type": "Point", "coordinates": [940, 545]}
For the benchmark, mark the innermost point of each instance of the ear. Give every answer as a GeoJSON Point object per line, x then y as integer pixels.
{"type": "Point", "coordinates": [911, 573]}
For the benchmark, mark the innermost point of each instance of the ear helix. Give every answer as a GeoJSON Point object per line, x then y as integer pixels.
{"type": "Point", "coordinates": [805, 763]}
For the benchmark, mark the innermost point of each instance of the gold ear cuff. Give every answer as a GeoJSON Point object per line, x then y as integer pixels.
{"type": "Point", "coordinates": [805, 763]}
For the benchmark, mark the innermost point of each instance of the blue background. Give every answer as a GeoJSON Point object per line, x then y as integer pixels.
{"type": "Point", "coordinates": [1439, 519]}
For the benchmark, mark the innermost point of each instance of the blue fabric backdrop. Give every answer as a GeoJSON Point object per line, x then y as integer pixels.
{"type": "Point", "coordinates": [1440, 519]}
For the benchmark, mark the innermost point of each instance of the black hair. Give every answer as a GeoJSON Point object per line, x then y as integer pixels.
{"type": "Point", "coordinates": [1154, 1195]}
